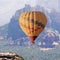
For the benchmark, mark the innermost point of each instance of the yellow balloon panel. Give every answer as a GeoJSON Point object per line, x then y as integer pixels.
{"type": "Point", "coordinates": [32, 23]}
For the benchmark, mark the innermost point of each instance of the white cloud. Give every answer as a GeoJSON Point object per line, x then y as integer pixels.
{"type": "Point", "coordinates": [55, 43]}
{"type": "Point", "coordinates": [45, 49]}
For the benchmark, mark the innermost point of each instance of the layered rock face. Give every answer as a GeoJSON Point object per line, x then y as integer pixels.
{"type": "Point", "coordinates": [10, 56]}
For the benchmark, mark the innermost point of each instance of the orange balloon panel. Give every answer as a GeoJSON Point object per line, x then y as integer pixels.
{"type": "Point", "coordinates": [32, 23]}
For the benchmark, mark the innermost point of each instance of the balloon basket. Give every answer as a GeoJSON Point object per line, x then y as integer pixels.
{"type": "Point", "coordinates": [33, 42]}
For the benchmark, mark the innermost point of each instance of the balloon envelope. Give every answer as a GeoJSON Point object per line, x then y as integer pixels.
{"type": "Point", "coordinates": [32, 23]}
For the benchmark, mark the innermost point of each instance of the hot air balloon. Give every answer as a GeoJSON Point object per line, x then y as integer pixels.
{"type": "Point", "coordinates": [32, 23]}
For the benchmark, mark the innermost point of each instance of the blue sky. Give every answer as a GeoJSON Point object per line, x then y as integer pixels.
{"type": "Point", "coordinates": [9, 7]}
